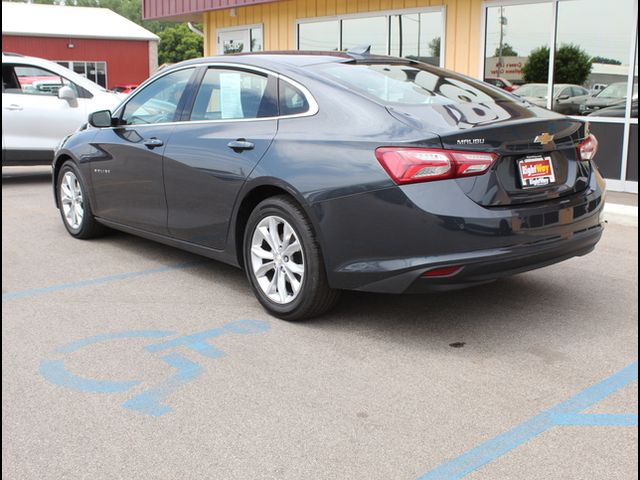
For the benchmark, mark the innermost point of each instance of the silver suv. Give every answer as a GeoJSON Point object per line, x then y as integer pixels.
{"type": "Point", "coordinates": [42, 102]}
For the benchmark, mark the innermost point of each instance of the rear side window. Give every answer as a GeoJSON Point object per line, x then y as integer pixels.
{"type": "Point", "coordinates": [411, 84]}
{"type": "Point", "coordinates": [227, 94]}
{"type": "Point", "coordinates": [291, 100]}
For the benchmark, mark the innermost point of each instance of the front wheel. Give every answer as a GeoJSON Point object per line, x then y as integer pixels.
{"type": "Point", "coordinates": [74, 204]}
{"type": "Point", "coordinates": [284, 263]}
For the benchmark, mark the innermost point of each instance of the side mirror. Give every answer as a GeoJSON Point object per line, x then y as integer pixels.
{"type": "Point", "coordinates": [564, 97]}
{"type": "Point", "coordinates": [100, 119]}
{"type": "Point", "coordinates": [67, 93]}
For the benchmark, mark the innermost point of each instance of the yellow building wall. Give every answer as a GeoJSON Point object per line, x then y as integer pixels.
{"type": "Point", "coordinates": [462, 35]}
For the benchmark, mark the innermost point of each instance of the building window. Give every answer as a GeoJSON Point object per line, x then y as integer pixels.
{"type": "Point", "coordinates": [583, 67]}
{"type": "Point", "coordinates": [323, 36]}
{"type": "Point", "coordinates": [94, 71]}
{"type": "Point", "coordinates": [512, 37]}
{"type": "Point", "coordinates": [240, 40]}
{"type": "Point", "coordinates": [366, 31]}
{"type": "Point", "coordinates": [411, 34]}
{"type": "Point", "coordinates": [417, 36]}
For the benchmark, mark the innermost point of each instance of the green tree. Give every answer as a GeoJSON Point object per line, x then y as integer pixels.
{"type": "Point", "coordinates": [434, 46]}
{"type": "Point", "coordinates": [536, 69]}
{"type": "Point", "coordinates": [572, 65]}
{"type": "Point", "coordinates": [178, 43]}
{"type": "Point", "coordinates": [507, 51]}
{"type": "Point", "coordinates": [608, 61]}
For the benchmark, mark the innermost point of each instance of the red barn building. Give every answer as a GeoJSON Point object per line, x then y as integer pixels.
{"type": "Point", "coordinates": [95, 42]}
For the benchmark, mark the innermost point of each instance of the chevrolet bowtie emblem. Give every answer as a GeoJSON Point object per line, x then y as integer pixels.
{"type": "Point", "coordinates": [543, 138]}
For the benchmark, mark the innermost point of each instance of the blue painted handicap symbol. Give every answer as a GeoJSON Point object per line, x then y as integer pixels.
{"type": "Point", "coordinates": [150, 401]}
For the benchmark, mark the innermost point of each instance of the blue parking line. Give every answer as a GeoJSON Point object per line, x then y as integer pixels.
{"type": "Point", "coordinates": [33, 292]}
{"type": "Point", "coordinates": [595, 419]}
{"type": "Point", "coordinates": [565, 413]}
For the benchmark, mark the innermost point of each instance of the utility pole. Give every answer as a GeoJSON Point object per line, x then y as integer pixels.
{"type": "Point", "coordinates": [503, 22]}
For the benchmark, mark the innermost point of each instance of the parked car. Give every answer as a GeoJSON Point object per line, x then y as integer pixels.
{"type": "Point", "coordinates": [502, 83]}
{"type": "Point", "coordinates": [617, 110]}
{"type": "Point", "coordinates": [42, 102]}
{"type": "Point", "coordinates": [597, 88]}
{"type": "Point", "coordinates": [125, 88]}
{"type": "Point", "coordinates": [567, 98]}
{"type": "Point", "coordinates": [330, 171]}
{"type": "Point", "coordinates": [610, 96]}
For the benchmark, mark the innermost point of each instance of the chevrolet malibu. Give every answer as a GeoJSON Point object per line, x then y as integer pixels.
{"type": "Point", "coordinates": [320, 172]}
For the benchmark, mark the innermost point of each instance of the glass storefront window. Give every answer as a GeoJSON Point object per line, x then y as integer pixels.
{"type": "Point", "coordinates": [517, 40]}
{"type": "Point", "coordinates": [417, 36]}
{"type": "Point", "coordinates": [591, 45]}
{"type": "Point", "coordinates": [319, 36]}
{"type": "Point", "coordinates": [592, 51]}
{"type": "Point", "coordinates": [257, 42]}
{"type": "Point", "coordinates": [365, 31]}
{"type": "Point", "coordinates": [94, 71]}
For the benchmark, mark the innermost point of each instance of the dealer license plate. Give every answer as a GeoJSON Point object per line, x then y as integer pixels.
{"type": "Point", "coordinates": [536, 172]}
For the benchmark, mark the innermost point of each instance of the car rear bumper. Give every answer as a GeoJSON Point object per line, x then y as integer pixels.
{"type": "Point", "coordinates": [384, 241]}
{"type": "Point", "coordinates": [486, 266]}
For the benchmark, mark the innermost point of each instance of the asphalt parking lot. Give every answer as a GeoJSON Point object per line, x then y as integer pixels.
{"type": "Point", "coordinates": [128, 359]}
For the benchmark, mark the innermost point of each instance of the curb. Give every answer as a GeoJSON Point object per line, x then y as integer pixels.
{"type": "Point", "coordinates": [621, 214]}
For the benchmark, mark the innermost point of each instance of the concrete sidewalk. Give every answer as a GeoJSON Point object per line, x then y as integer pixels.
{"type": "Point", "coordinates": [621, 208]}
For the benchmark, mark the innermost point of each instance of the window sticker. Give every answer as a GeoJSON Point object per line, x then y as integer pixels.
{"type": "Point", "coordinates": [230, 102]}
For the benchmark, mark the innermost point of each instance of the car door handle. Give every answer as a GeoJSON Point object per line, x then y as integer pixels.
{"type": "Point", "coordinates": [240, 144]}
{"type": "Point", "coordinates": [13, 106]}
{"type": "Point", "coordinates": [152, 143]}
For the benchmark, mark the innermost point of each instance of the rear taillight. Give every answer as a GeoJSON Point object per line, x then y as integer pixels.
{"type": "Point", "coordinates": [588, 148]}
{"type": "Point", "coordinates": [411, 165]}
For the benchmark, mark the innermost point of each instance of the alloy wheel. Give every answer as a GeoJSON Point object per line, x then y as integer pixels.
{"type": "Point", "coordinates": [72, 200]}
{"type": "Point", "coordinates": [277, 259]}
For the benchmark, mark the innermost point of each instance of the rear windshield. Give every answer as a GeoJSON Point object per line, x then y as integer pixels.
{"type": "Point", "coordinates": [411, 84]}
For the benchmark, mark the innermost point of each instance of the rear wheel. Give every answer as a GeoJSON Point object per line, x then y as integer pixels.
{"type": "Point", "coordinates": [74, 204]}
{"type": "Point", "coordinates": [283, 261]}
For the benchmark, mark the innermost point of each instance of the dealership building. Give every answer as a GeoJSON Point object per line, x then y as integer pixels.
{"type": "Point", "coordinates": [94, 42]}
{"type": "Point", "coordinates": [475, 37]}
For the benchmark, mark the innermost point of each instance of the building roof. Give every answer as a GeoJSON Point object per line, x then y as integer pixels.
{"type": "Point", "coordinates": [606, 69]}
{"type": "Point", "coordinates": [189, 9]}
{"type": "Point", "coordinates": [70, 22]}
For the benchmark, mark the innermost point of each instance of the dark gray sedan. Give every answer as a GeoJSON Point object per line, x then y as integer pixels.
{"type": "Point", "coordinates": [330, 171]}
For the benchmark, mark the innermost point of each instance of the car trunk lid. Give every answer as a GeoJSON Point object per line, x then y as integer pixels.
{"type": "Point", "coordinates": [516, 134]}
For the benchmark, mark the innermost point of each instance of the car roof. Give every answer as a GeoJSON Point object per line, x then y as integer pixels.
{"type": "Point", "coordinates": [291, 59]}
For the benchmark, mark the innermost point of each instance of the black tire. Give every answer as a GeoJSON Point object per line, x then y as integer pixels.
{"type": "Point", "coordinates": [88, 227]}
{"type": "Point", "coordinates": [314, 297]}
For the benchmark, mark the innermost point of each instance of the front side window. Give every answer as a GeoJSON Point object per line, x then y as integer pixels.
{"type": "Point", "coordinates": [29, 80]}
{"type": "Point", "coordinates": [227, 94]}
{"type": "Point", "coordinates": [158, 101]}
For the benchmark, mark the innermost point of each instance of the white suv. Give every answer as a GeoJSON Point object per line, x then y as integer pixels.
{"type": "Point", "coordinates": [42, 102]}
